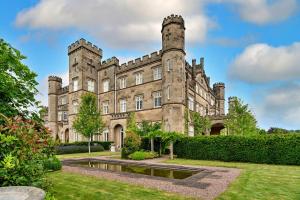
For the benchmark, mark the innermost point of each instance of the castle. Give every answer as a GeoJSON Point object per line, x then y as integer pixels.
{"type": "Point", "coordinates": [159, 87]}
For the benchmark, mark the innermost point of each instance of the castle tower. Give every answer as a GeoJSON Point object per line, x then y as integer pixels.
{"type": "Point", "coordinates": [83, 60]}
{"type": "Point", "coordinates": [173, 70]}
{"type": "Point", "coordinates": [54, 85]}
{"type": "Point", "coordinates": [219, 90]}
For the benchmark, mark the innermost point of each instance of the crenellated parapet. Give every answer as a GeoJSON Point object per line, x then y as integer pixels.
{"type": "Point", "coordinates": [173, 19]}
{"type": "Point", "coordinates": [85, 44]}
{"type": "Point", "coordinates": [110, 61]}
{"type": "Point", "coordinates": [138, 62]}
{"type": "Point", "coordinates": [55, 78]}
{"type": "Point", "coordinates": [218, 84]}
{"type": "Point", "coordinates": [64, 90]}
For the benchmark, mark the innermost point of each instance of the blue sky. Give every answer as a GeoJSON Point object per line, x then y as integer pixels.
{"type": "Point", "coordinates": [252, 46]}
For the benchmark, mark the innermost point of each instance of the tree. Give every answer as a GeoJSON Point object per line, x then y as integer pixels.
{"type": "Point", "coordinates": [202, 125]}
{"type": "Point", "coordinates": [240, 120]}
{"type": "Point", "coordinates": [88, 121]}
{"type": "Point", "coordinates": [17, 83]}
{"type": "Point", "coordinates": [146, 128]}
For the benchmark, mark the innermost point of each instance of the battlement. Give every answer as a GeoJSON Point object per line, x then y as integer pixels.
{"type": "Point", "coordinates": [83, 43]}
{"type": "Point", "coordinates": [154, 56]}
{"type": "Point", "coordinates": [64, 90]}
{"type": "Point", "coordinates": [219, 84]}
{"type": "Point", "coordinates": [110, 61]}
{"type": "Point", "coordinates": [173, 19]}
{"type": "Point", "coordinates": [55, 78]}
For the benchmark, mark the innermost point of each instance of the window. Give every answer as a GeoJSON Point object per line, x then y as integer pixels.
{"type": "Point", "coordinates": [157, 99]}
{"type": "Point", "coordinates": [139, 102]}
{"type": "Point", "coordinates": [75, 84]}
{"type": "Point", "coordinates": [197, 107]}
{"type": "Point", "coordinates": [168, 92]}
{"type": "Point", "coordinates": [191, 130]}
{"type": "Point", "coordinates": [75, 106]}
{"type": "Point", "coordinates": [106, 85]}
{"type": "Point", "coordinates": [105, 107]}
{"type": "Point", "coordinates": [91, 85]}
{"type": "Point", "coordinates": [157, 73]}
{"type": "Point", "coordinates": [65, 116]}
{"type": "Point", "coordinates": [169, 65]}
{"type": "Point", "coordinates": [123, 105]}
{"type": "Point", "coordinates": [197, 88]}
{"type": "Point", "coordinates": [122, 82]}
{"type": "Point", "coordinates": [138, 78]}
{"type": "Point", "coordinates": [63, 100]}
{"type": "Point", "coordinates": [105, 135]}
{"type": "Point", "coordinates": [191, 103]}
{"type": "Point", "coordinates": [59, 116]}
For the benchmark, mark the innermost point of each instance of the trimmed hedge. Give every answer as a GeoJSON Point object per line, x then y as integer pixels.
{"type": "Point", "coordinates": [106, 145]}
{"type": "Point", "coordinates": [271, 149]}
{"type": "Point", "coordinates": [77, 149]}
{"type": "Point", "coordinates": [52, 164]}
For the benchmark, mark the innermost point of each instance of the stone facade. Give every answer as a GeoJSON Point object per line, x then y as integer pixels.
{"type": "Point", "coordinates": [158, 87]}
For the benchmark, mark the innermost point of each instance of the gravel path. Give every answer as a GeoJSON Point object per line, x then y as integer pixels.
{"type": "Point", "coordinates": [209, 183]}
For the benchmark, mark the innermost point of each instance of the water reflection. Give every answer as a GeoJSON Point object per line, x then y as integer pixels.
{"type": "Point", "coordinates": [167, 173]}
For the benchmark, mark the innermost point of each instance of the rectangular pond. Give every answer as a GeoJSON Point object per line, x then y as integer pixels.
{"type": "Point", "coordinates": [150, 170]}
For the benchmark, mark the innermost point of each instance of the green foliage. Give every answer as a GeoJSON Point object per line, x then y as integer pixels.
{"type": "Point", "coordinates": [77, 149]}
{"type": "Point", "coordinates": [132, 143]}
{"type": "Point", "coordinates": [104, 144]}
{"type": "Point", "coordinates": [17, 83]}
{"type": "Point", "coordinates": [240, 120]}
{"type": "Point", "coordinates": [274, 130]}
{"type": "Point", "coordinates": [24, 145]}
{"type": "Point", "coordinates": [88, 121]}
{"type": "Point", "coordinates": [147, 127]}
{"type": "Point", "coordinates": [131, 123]}
{"type": "Point", "coordinates": [142, 155]}
{"type": "Point", "coordinates": [52, 164]}
{"type": "Point", "coordinates": [202, 125]}
{"type": "Point", "coordinates": [273, 149]}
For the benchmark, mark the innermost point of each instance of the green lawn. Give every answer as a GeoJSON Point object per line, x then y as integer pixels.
{"type": "Point", "coordinates": [75, 186]}
{"type": "Point", "coordinates": [257, 181]}
{"type": "Point", "coordinates": [87, 155]}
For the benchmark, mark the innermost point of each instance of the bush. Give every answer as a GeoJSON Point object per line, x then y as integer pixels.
{"type": "Point", "coordinates": [24, 145]}
{"type": "Point", "coordinates": [77, 149]}
{"type": "Point", "coordinates": [142, 155]}
{"type": "Point", "coordinates": [105, 145]}
{"type": "Point", "coordinates": [132, 143]}
{"type": "Point", "coordinates": [52, 164]}
{"type": "Point", "coordinates": [271, 149]}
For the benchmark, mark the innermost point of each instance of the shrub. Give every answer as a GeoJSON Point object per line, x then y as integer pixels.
{"type": "Point", "coordinates": [105, 145]}
{"type": "Point", "coordinates": [24, 145]}
{"type": "Point", "coordinates": [132, 143]}
{"type": "Point", "coordinates": [77, 149]}
{"type": "Point", "coordinates": [52, 164]}
{"type": "Point", "coordinates": [142, 155]}
{"type": "Point", "coordinates": [272, 149]}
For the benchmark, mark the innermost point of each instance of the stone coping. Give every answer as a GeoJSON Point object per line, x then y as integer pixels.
{"type": "Point", "coordinates": [21, 193]}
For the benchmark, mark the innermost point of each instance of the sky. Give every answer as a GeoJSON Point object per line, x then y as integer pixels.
{"type": "Point", "coordinates": [252, 46]}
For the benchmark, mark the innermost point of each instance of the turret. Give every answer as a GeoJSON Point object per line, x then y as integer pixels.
{"type": "Point", "coordinates": [219, 90]}
{"type": "Point", "coordinates": [54, 85]}
{"type": "Point", "coordinates": [173, 70]}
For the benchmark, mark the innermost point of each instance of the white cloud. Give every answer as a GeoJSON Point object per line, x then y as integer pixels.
{"type": "Point", "coordinates": [280, 106]}
{"type": "Point", "coordinates": [126, 23]}
{"type": "Point", "coordinates": [260, 63]}
{"type": "Point", "coordinates": [264, 11]}
{"type": "Point", "coordinates": [42, 96]}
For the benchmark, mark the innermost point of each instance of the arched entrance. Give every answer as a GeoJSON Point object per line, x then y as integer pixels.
{"type": "Point", "coordinates": [216, 129]}
{"type": "Point", "coordinates": [119, 134]}
{"type": "Point", "coordinates": [67, 135]}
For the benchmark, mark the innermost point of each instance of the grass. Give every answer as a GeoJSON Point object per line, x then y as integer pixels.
{"type": "Point", "coordinates": [87, 155]}
{"type": "Point", "coordinates": [75, 186]}
{"type": "Point", "coordinates": [257, 181]}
